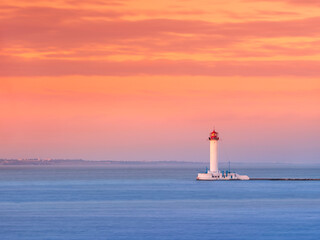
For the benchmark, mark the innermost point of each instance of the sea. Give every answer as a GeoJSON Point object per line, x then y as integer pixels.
{"type": "Point", "coordinates": [157, 201]}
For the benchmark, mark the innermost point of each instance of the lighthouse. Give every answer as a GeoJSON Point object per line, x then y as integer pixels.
{"type": "Point", "coordinates": [214, 138]}
{"type": "Point", "coordinates": [214, 173]}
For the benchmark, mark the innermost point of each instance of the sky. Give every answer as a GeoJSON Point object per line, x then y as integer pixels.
{"type": "Point", "coordinates": [131, 80]}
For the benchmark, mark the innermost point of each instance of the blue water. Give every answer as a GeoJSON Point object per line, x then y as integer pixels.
{"type": "Point", "coordinates": [155, 202]}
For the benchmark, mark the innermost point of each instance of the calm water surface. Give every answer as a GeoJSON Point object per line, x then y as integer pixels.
{"type": "Point", "coordinates": [155, 202]}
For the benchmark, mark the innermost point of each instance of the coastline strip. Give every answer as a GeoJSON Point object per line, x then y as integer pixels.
{"type": "Point", "coordinates": [286, 179]}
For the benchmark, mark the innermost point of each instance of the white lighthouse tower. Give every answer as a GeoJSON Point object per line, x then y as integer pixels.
{"type": "Point", "coordinates": [213, 138]}
{"type": "Point", "coordinates": [214, 173]}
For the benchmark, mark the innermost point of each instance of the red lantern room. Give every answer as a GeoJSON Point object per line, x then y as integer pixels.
{"type": "Point", "coordinates": [214, 135]}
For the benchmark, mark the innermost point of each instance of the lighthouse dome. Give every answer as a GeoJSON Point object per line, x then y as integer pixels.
{"type": "Point", "coordinates": [214, 135]}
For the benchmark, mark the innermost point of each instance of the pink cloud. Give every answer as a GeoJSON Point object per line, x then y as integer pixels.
{"type": "Point", "coordinates": [50, 27]}
{"type": "Point", "coordinates": [303, 2]}
{"type": "Point", "coordinates": [64, 29]}
{"type": "Point", "coordinates": [20, 67]}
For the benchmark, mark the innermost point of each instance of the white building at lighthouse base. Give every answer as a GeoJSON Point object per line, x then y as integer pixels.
{"type": "Point", "coordinates": [216, 176]}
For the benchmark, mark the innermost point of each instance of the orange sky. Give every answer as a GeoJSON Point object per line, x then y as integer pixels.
{"type": "Point", "coordinates": [147, 80]}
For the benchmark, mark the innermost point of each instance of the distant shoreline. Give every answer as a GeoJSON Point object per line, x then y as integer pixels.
{"type": "Point", "coordinates": [82, 162]}
{"type": "Point", "coordinates": [19, 162]}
